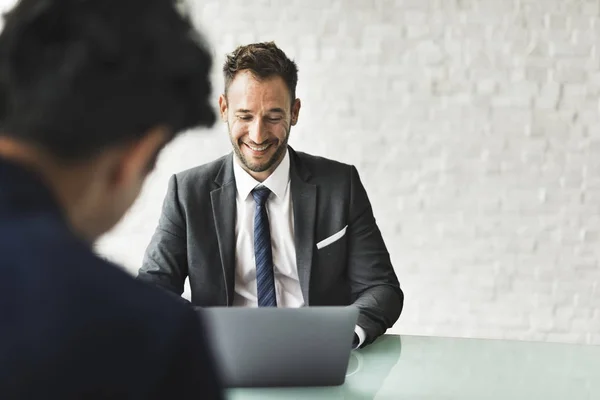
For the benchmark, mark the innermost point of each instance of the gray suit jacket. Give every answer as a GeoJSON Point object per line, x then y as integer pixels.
{"type": "Point", "coordinates": [195, 238]}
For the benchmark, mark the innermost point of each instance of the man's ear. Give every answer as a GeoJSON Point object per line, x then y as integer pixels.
{"type": "Point", "coordinates": [138, 159]}
{"type": "Point", "coordinates": [223, 107]}
{"type": "Point", "coordinates": [295, 111]}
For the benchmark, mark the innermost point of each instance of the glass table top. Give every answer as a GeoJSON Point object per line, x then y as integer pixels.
{"type": "Point", "coordinates": [420, 367]}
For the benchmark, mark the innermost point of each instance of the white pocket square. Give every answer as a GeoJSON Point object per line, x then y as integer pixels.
{"type": "Point", "coordinates": [332, 238]}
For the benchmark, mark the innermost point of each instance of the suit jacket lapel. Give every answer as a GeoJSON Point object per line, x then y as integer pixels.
{"type": "Point", "coordinates": [304, 200]}
{"type": "Point", "coordinates": [224, 214]}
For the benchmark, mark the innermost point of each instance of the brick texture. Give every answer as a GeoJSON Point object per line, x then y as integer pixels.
{"type": "Point", "coordinates": [475, 126]}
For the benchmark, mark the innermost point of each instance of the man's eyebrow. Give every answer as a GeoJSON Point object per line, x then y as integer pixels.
{"type": "Point", "coordinates": [272, 110]}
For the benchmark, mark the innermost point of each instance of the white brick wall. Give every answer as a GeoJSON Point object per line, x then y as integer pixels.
{"type": "Point", "coordinates": [475, 126]}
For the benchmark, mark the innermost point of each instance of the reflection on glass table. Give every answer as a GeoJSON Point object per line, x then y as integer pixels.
{"type": "Point", "coordinates": [423, 368]}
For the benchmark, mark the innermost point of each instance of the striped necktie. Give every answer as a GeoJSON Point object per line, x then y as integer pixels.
{"type": "Point", "coordinates": [265, 281]}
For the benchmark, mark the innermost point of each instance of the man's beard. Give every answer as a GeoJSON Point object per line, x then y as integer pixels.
{"type": "Point", "coordinates": [264, 166]}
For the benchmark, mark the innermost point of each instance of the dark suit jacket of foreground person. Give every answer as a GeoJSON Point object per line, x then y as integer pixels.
{"type": "Point", "coordinates": [195, 238]}
{"type": "Point", "coordinates": [73, 326]}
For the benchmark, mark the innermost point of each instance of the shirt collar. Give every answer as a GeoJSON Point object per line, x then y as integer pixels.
{"type": "Point", "coordinates": [277, 182]}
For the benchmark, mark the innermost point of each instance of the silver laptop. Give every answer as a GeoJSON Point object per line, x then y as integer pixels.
{"type": "Point", "coordinates": [281, 347]}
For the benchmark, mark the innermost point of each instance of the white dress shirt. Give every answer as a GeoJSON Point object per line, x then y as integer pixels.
{"type": "Point", "coordinates": [281, 221]}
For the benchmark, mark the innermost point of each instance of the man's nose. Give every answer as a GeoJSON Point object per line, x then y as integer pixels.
{"type": "Point", "coordinates": [258, 131]}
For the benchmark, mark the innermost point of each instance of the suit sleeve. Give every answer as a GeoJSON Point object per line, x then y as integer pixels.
{"type": "Point", "coordinates": [165, 259]}
{"type": "Point", "coordinates": [191, 372]}
{"type": "Point", "coordinates": [374, 285]}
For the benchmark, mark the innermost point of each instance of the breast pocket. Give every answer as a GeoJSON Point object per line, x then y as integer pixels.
{"type": "Point", "coordinates": [329, 276]}
{"type": "Point", "coordinates": [332, 239]}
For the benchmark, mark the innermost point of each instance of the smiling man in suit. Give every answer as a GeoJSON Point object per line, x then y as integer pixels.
{"type": "Point", "coordinates": [266, 225]}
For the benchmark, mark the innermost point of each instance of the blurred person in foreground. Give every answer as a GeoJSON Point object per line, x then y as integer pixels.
{"type": "Point", "coordinates": [90, 92]}
{"type": "Point", "coordinates": [269, 226]}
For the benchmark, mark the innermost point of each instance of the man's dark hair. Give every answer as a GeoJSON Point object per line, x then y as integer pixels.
{"type": "Point", "coordinates": [79, 76]}
{"type": "Point", "coordinates": [264, 60]}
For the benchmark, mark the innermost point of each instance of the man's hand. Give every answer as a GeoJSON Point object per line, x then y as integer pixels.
{"type": "Point", "coordinates": [355, 341]}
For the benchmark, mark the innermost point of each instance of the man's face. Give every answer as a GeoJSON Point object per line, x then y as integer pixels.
{"type": "Point", "coordinates": [259, 115]}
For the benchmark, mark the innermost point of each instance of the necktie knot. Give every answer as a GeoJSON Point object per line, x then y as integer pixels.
{"type": "Point", "coordinates": [260, 195]}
